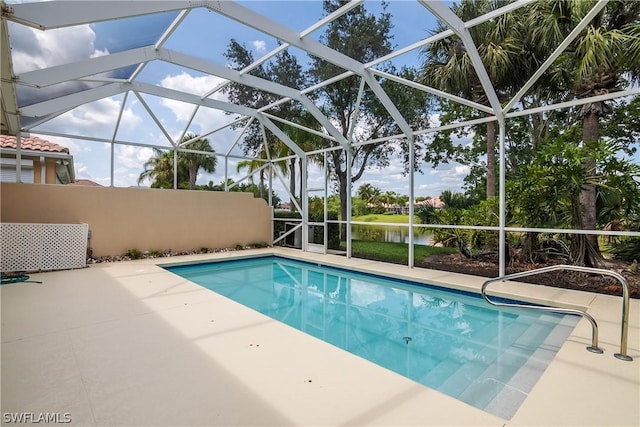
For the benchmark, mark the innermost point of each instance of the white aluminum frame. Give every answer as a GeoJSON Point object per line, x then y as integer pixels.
{"type": "Point", "coordinates": [50, 15]}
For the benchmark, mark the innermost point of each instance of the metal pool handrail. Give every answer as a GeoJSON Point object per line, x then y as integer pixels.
{"type": "Point", "coordinates": [594, 334]}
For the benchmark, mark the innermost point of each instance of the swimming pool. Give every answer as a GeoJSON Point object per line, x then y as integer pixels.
{"type": "Point", "coordinates": [447, 340]}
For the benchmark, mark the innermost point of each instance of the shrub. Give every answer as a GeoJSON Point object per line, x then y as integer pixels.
{"type": "Point", "coordinates": [333, 229]}
{"type": "Point", "coordinates": [133, 253]}
{"type": "Point", "coordinates": [627, 249]}
{"type": "Point", "coordinates": [333, 234]}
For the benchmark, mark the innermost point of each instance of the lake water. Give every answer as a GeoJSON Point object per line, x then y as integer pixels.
{"type": "Point", "coordinates": [389, 233]}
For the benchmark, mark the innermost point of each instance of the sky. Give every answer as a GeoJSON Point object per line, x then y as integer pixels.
{"type": "Point", "coordinates": [203, 34]}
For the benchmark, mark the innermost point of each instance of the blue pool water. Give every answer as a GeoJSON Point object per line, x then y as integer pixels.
{"type": "Point", "coordinates": [447, 340]}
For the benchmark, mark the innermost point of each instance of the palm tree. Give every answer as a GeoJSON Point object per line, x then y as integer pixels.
{"type": "Point", "coordinates": [159, 169]}
{"type": "Point", "coordinates": [599, 70]}
{"type": "Point", "coordinates": [254, 165]}
{"type": "Point", "coordinates": [305, 140]}
{"type": "Point", "coordinates": [369, 194]}
{"type": "Point", "coordinates": [603, 58]}
{"type": "Point", "coordinates": [389, 199]}
{"type": "Point", "coordinates": [196, 161]}
{"type": "Point", "coordinates": [448, 66]}
{"type": "Point", "coordinates": [456, 200]}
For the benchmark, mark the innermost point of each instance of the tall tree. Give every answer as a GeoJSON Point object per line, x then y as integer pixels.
{"type": "Point", "coordinates": [252, 166]}
{"type": "Point", "coordinates": [159, 168]}
{"type": "Point", "coordinates": [288, 72]}
{"type": "Point", "coordinates": [547, 191]}
{"type": "Point", "coordinates": [257, 163]}
{"type": "Point", "coordinates": [369, 194]}
{"type": "Point", "coordinates": [194, 162]}
{"type": "Point", "coordinates": [603, 58]}
{"type": "Point", "coordinates": [307, 142]}
{"type": "Point", "coordinates": [285, 70]}
{"type": "Point", "coordinates": [448, 67]}
{"type": "Point", "coordinates": [364, 37]}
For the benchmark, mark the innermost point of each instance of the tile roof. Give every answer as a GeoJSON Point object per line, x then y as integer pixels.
{"type": "Point", "coordinates": [32, 143]}
{"type": "Point", "coordinates": [85, 182]}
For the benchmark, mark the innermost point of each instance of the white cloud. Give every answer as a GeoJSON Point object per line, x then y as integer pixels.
{"type": "Point", "coordinates": [259, 45]}
{"type": "Point", "coordinates": [124, 177]}
{"type": "Point", "coordinates": [97, 119]}
{"type": "Point", "coordinates": [445, 177]}
{"type": "Point", "coordinates": [132, 157]}
{"type": "Point", "coordinates": [206, 119]}
{"type": "Point", "coordinates": [462, 170]}
{"type": "Point", "coordinates": [434, 119]}
{"type": "Point", "coordinates": [451, 171]}
{"type": "Point", "coordinates": [82, 171]}
{"type": "Point", "coordinates": [103, 112]}
{"type": "Point", "coordinates": [190, 84]}
{"type": "Point", "coordinates": [98, 53]}
{"type": "Point", "coordinates": [34, 49]}
{"type": "Point", "coordinates": [433, 188]}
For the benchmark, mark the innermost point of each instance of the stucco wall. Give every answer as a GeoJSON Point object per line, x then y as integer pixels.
{"type": "Point", "coordinates": [125, 218]}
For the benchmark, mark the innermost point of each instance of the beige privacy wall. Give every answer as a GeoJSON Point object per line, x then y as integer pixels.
{"type": "Point", "coordinates": [146, 219]}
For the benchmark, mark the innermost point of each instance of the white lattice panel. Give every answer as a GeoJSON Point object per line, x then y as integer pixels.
{"type": "Point", "coordinates": [36, 247]}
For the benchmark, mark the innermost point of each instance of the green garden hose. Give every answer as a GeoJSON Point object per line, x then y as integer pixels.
{"type": "Point", "coordinates": [16, 278]}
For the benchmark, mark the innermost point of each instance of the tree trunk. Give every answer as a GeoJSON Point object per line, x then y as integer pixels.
{"type": "Point", "coordinates": [589, 252]}
{"type": "Point", "coordinates": [491, 160]}
{"type": "Point", "coordinates": [342, 180]}
{"type": "Point", "coordinates": [300, 168]}
{"type": "Point", "coordinates": [262, 187]}
{"type": "Point", "coordinates": [292, 183]}
{"type": "Point", "coordinates": [529, 247]}
{"type": "Point", "coordinates": [193, 175]}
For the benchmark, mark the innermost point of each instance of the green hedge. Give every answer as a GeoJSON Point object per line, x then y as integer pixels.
{"type": "Point", "coordinates": [333, 229]}
{"type": "Point", "coordinates": [278, 226]}
{"type": "Point", "coordinates": [317, 233]}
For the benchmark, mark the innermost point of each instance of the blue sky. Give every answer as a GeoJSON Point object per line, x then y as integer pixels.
{"type": "Point", "coordinates": [203, 34]}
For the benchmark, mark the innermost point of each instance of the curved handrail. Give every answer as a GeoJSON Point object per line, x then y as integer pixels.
{"type": "Point", "coordinates": [594, 334]}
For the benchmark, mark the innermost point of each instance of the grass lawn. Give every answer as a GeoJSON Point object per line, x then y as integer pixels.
{"type": "Point", "coordinates": [395, 219]}
{"type": "Point", "coordinates": [397, 253]}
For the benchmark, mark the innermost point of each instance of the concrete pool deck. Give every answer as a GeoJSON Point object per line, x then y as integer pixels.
{"type": "Point", "coordinates": [128, 343]}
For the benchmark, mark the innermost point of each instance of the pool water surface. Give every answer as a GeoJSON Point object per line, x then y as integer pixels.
{"type": "Point", "coordinates": [451, 341]}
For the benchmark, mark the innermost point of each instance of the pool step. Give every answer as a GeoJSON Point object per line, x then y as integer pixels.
{"type": "Point", "coordinates": [518, 341]}
{"type": "Point", "coordinates": [448, 366]}
{"type": "Point", "coordinates": [481, 360]}
{"type": "Point", "coordinates": [502, 387]}
{"type": "Point", "coordinates": [509, 398]}
{"type": "Point", "coordinates": [490, 381]}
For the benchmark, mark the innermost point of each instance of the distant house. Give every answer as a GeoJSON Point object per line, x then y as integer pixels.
{"type": "Point", "coordinates": [86, 183]}
{"type": "Point", "coordinates": [284, 206]}
{"type": "Point", "coordinates": [42, 161]}
{"type": "Point", "coordinates": [435, 202]}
